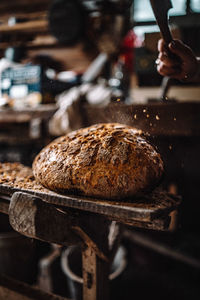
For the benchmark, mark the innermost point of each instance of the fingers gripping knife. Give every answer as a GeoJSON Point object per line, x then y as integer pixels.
{"type": "Point", "coordinates": [160, 9]}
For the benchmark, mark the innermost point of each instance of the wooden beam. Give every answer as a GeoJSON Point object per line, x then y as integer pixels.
{"type": "Point", "coordinates": [95, 269]}
{"type": "Point", "coordinates": [34, 218]}
{"type": "Point", "coordinates": [25, 27]}
{"type": "Point", "coordinates": [150, 211]}
{"type": "Point", "coordinates": [37, 219]}
{"type": "Point", "coordinates": [43, 111]}
{"type": "Point", "coordinates": [13, 6]}
{"type": "Point", "coordinates": [95, 276]}
{"type": "Point", "coordinates": [16, 290]}
{"type": "Point", "coordinates": [4, 205]}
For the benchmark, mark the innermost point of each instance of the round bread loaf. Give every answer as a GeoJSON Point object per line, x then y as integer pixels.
{"type": "Point", "coordinates": [109, 161]}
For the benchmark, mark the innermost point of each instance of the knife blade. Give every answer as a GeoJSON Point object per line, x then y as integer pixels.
{"type": "Point", "coordinates": [160, 9]}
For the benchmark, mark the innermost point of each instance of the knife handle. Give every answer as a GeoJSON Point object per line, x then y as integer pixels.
{"type": "Point", "coordinates": [167, 37]}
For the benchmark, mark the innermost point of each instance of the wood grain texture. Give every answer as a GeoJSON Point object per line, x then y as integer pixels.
{"type": "Point", "coordinates": [145, 211]}
{"type": "Point", "coordinates": [151, 210]}
{"type": "Point", "coordinates": [95, 276]}
{"type": "Point", "coordinates": [37, 219]}
{"type": "Point", "coordinates": [95, 269]}
{"type": "Point", "coordinates": [15, 290]}
{"type": "Point", "coordinates": [4, 204]}
{"type": "Point", "coordinates": [31, 217]}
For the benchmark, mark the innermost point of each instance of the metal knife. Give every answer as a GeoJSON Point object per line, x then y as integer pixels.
{"type": "Point", "coordinates": [160, 9]}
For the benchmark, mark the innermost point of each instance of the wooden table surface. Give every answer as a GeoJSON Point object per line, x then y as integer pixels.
{"type": "Point", "coordinates": [39, 213]}
{"type": "Point", "coordinates": [150, 211]}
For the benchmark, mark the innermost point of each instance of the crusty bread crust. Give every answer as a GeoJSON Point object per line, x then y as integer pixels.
{"type": "Point", "coordinates": [110, 161]}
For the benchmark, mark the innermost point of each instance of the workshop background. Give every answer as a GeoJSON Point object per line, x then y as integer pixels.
{"type": "Point", "coordinates": [70, 64]}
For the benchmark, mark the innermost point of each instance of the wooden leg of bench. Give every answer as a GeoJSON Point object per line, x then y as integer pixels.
{"type": "Point", "coordinates": [95, 276]}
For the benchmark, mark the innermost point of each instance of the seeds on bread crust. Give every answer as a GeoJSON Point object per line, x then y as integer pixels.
{"type": "Point", "coordinates": [108, 160]}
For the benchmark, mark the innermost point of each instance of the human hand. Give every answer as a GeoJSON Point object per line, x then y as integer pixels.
{"type": "Point", "coordinates": [184, 68]}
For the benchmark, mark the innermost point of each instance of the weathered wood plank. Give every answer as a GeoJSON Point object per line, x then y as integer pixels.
{"type": "Point", "coordinates": [140, 210]}
{"type": "Point", "coordinates": [157, 119]}
{"type": "Point", "coordinates": [95, 276]}
{"type": "Point", "coordinates": [36, 26]}
{"type": "Point", "coordinates": [37, 219]}
{"type": "Point", "coordinates": [95, 269]}
{"type": "Point", "coordinates": [162, 223]}
{"type": "Point", "coordinates": [44, 111]}
{"type": "Point", "coordinates": [4, 204]}
{"type": "Point", "coordinates": [11, 289]}
{"type": "Point", "coordinates": [32, 217]}
{"type": "Point", "coordinates": [152, 208]}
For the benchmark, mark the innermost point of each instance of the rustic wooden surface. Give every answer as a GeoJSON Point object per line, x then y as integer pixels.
{"type": "Point", "coordinates": [25, 115]}
{"type": "Point", "coordinates": [34, 218]}
{"type": "Point", "coordinates": [149, 211]}
{"type": "Point", "coordinates": [95, 276]}
{"type": "Point", "coordinates": [31, 217]}
{"type": "Point", "coordinates": [4, 204]}
{"type": "Point", "coordinates": [96, 269]}
{"type": "Point", "coordinates": [39, 213]}
{"type": "Point", "coordinates": [34, 21]}
{"type": "Point", "coordinates": [17, 127]}
{"type": "Point", "coordinates": [41, 220]}
{"type": "Point", "coordinates": [157, 119]}
{"type": "Point", "coordinates": [14, 290]}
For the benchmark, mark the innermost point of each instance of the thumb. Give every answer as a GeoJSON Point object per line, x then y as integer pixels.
{"type": "Point", "coordinates": [180, 49]}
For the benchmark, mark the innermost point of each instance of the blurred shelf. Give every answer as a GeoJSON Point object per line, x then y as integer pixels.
{"type": "Point", "coordinates": [40, 41]}
{"type": "Point", "coordinates": [32, 26]}
{"type": "Point", "coordinates": [22, 6]}
{"type": "Point", "coordinates": [9, 115]}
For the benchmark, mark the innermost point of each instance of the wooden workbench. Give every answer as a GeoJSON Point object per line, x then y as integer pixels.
{"type": "Point", "coordinates": [70, 219]}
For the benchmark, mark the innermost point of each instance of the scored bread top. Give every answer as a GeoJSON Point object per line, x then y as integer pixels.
{"type": "Point", "coordinates": [108, 160]}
